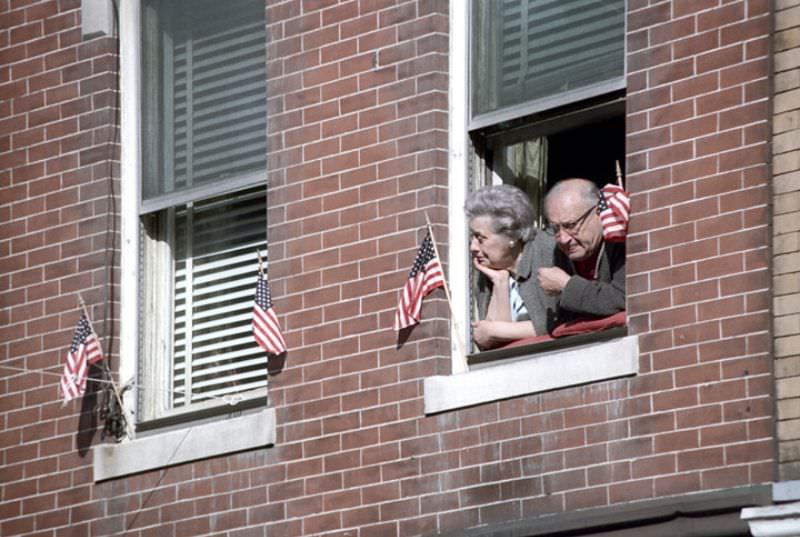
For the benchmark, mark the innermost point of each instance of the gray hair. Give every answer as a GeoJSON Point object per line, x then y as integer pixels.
{"type": "Point", "coordinates": [508, 207]}
{"type": "Point", "coordinates": [587, 191]}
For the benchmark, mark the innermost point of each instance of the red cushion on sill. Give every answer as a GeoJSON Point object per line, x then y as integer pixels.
{"type": "Point", "coordinates": [574, 328]}
{"type": "Point", "coordinates": [586, 325]}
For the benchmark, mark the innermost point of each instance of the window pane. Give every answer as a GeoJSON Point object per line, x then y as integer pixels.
{"type": "Point", "coordinates": [215, 244]}
{"type": "Point", "coordinates": [524, 50]}
{"type": "Point", "coordinates": [203, 92]}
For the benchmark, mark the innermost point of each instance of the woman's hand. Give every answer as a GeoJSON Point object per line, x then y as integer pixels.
{"type": "Point", "coordinates": [483, 334]}
{"type": "Point", "coordinates": [491, 334]}
{"type": "Point", "coordinates": [496, 276]}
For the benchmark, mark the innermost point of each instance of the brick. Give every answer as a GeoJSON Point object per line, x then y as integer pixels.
{"type": "Point", "coordinates": [696, 44]}
{"type": "Point", "coordinates": [649, 17]}
{"type": "Point", "coordinates": [651, 56]}
{"type": "Point", "coordinates": [681, 483]}
{"type": "Point", "coordinates": [720, 16]}
{"type": "Point", "coordinates": [724, 477]}
{"type": "Point", "coordinates": [358, 142]}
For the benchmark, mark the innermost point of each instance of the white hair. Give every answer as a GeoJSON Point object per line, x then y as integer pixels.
{"type": "Point", "coordinates": [508, 207]}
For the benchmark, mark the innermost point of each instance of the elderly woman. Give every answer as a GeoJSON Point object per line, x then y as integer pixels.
{"type": "Point", "coordinates": [507, 251]}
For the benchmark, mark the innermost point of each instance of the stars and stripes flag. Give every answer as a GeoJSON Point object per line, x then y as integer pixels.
{"type": "Point", "coordinates": [83, 351]}
{"type": "Point", "coordinates": [425, 276]}
{"type": "Point", "coordinates": [614, 210]}
{"type": "Point", "coordinates": [266, 328]}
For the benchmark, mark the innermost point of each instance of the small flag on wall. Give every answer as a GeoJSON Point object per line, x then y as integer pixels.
{"type": "Point", "coordinates": [266, 328]}
{"type": "Point", "coordinates": [84, 351]}
{"type": "Point", "coordinates": [614, 210]}
{"type": "Point", "coordinates": [425, 276]}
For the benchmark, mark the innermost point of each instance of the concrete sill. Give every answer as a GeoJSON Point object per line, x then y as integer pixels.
{"type": "Point", "coordinates": [168, 448]}
{"type": "Point", "coordinates": [534, 373]}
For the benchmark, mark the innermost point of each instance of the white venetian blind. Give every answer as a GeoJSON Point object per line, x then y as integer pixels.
{"type": "Point", "coordinates": [530, 49]}
{"type": "Point", "coordinates": [214, 353]}
{"type": "Point", "coordinates": [205, 93]}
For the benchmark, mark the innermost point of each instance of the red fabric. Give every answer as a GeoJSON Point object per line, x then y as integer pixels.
{"type": "Point", "coordinates": [585, 268]}
{"type": "Point", "coordinates": [573, 328]}
{"type": "Point", "coordinates": [586, 325]}
{"type": "Point", "coordinates": [527, 341]}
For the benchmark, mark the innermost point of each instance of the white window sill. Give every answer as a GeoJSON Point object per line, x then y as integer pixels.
{"type": "Point", "coordinates": [534, 373]}
{"type": "Point", "coordinates": [184, 445]}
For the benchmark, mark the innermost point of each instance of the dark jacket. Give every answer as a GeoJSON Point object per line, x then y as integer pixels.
{"type": "Point", "coordinates": [538, 252]}
{"type": "Point", "coordinates": [601, 297]}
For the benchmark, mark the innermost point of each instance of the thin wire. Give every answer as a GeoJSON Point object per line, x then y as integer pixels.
{"type": "Point", "coordinates": [161, 477]}
{"type": "Point", "coordinates": [231, 400]}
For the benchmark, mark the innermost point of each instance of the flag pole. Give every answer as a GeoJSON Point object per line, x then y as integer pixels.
{"type": "Point", "coordinates": [459, 342]}
{"type": "Point", "coordinates": [619, 176]}
{"type": "Point", "coordinates": [114, 386]}
{"type": "Point", "coordinates": [260, 262]}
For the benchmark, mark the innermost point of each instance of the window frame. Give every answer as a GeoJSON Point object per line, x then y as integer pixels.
{"type": "Point", "coordinates": [464, 165]}
{"type": "Point", "coordinates": [253, 410]}
{"type": "Point", "coordinates": [534, 106]}
{"type": "Point", "coordinates": [155, 407]}
{"type": "Point", "coordinates": [548, 103]}
{"type": "Point", "coordinates": [155, 262]}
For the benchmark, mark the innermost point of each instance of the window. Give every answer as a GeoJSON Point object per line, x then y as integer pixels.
{"type": "Point", "coordinates": [202, 205]}
{"type": "Point", "coordinates": [192, 214]}
{"type": "Point", "coordinates": [546, 94]}
{"type": "Point", "coordinates": [530, 55]}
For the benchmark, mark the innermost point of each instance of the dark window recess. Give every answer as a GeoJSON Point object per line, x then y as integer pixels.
{"type": "Point", "coordinates": [588, 151]}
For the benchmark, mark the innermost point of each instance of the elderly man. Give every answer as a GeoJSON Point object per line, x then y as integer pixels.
{"type": "Point", "coordinates": [589, 276]}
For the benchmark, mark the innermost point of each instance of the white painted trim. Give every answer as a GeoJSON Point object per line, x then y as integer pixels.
{"type": "Point", "coordinates": [129, 17]}
{"type": "Point", "coordinates": [773, 520]}
{"type": "Point", "coordinates": [97, 18]}
{"type": "Point", "coordinates": [547, 103]}
{"type": "Point", "coordinates": [532, 374]}
{"type": "Point", "coordinates": [168, 448]}
{"type": "Point", "coordinates": [458, 166]}
{"type": "Point", "coordinates": [202, 191]}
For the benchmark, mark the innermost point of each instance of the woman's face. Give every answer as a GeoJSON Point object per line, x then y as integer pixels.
{"type": "Point", "coordinates": [491, 249]}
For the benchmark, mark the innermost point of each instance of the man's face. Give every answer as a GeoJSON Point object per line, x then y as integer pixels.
{"type": "Point", "coordinates": [579, 231]}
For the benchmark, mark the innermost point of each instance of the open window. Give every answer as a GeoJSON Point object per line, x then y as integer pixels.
{"type": "Point", "coordinates": [547, 102]}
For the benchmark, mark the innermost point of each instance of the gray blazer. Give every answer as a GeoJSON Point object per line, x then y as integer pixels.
{"type": "Point", "coordinates": [603, 296]}
{"type": "Point", "coordinates": [538, 252]}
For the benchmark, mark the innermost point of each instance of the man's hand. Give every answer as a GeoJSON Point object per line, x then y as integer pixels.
{"type": "Point", "coordinates": [553, 280]}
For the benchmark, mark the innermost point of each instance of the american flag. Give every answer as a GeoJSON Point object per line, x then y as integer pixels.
{"type": "Point", "coordinates": [266, 328]}
{"type": "Point", "coordinates": [614, 208]}
{"type": "Point", "coordinates": [425, 276]}
{"type": "Point", "coordinates": [83, 351]}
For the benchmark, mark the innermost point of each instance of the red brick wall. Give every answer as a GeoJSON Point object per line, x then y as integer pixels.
{"type": "Point", "coordinates": [785, 244]}
{"type": "Point", "coordinates": [357, 153]}
{"type": "Point", "coordinates": [698, 264]}
{"type": "Point", "coordinates": [58, 164]}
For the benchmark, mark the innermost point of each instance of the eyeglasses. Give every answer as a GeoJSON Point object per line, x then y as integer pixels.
{"type": "Point", "coordinates": [568, 227]}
